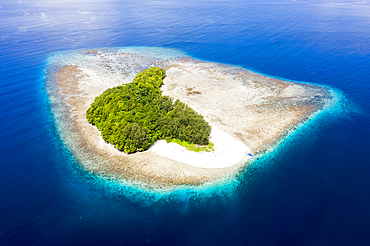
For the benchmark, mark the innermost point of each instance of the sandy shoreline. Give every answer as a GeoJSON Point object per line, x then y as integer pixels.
{"type": "Point", "coordinates": [247, 112]}
{"type": "Point", "coordinates": [228, 151]}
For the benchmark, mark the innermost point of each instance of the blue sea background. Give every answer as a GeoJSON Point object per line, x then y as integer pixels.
{"type": "Point", "coordinates": [314, 189]}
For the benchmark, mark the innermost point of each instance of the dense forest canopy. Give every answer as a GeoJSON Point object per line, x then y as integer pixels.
{"type": "Point", "coordinates": [133, 116]}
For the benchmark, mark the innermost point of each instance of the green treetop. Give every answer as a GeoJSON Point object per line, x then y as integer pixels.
{"type": "Point", "coordinates": [133, 116]}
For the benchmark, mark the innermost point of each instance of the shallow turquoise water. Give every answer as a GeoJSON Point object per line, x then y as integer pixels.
{"type": "Point", "coordinates": [313, 189]}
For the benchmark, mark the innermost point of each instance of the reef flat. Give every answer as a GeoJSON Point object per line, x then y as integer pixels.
{"type": "Point", "coordinates": [248, 113]}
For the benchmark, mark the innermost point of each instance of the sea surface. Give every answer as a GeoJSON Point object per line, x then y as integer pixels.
{"type": "Point", "coordinates": [313, 189]}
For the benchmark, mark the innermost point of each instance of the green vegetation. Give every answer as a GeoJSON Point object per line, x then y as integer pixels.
{"type": "Point", "coordinates": [194, 147]}
{"type": "Point", "coordinates": [133, 116]}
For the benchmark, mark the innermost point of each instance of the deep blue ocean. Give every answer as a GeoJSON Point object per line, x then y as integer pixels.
{"type": "Point", "coordinates": [314, 189]}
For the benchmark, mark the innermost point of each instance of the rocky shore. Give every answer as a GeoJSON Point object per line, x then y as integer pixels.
{"type": "Point", "coordinates": [251, 112]}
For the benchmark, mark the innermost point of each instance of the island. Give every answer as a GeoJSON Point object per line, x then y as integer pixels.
{"type": "Point", "coordinates": [237, 113]}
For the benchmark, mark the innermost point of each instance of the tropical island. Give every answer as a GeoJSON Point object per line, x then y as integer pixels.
{"type": "Point", "coordinates": [127, 113]}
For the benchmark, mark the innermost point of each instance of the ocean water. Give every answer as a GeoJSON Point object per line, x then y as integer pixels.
{"type": "Point", "coordinates": [313, 189]}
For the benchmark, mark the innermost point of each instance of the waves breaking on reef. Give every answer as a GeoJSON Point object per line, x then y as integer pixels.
{"type": "Point", "coordinates": [249, 113]}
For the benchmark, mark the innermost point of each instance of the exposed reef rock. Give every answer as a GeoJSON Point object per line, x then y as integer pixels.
{"type": "Point", "coordinates": [254, 109]}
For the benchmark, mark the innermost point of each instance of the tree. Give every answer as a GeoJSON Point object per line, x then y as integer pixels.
{"type": "Point", "coordinates": [133, 116]}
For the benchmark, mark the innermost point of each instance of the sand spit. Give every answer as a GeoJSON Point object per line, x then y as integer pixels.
{"type": "Point", "coordinates": [248, 113]}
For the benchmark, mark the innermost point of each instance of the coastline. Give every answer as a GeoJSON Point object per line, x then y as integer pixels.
{"type": "Point", "coordinates": [228, 151]}
{"type": "Point", "coordinates": [250, 111]}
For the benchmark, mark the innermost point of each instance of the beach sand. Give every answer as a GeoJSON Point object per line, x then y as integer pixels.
{"type": "Point", "coordinates": [248, 114]}
{"type": "Point", "coordinates": [228, 151]}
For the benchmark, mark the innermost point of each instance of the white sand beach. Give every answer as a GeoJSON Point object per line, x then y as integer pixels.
{"type": "Point", "coordinates": [228, 151]}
